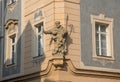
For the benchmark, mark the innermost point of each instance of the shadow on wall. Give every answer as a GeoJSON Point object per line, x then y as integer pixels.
{"type": "Point", "coordinates": [69, 39]}
{"type": "Point", "coordinates": [30, 49]}
{"type": "Point", "coordinates": [12, 66]}
{"type": "Point", "coordinates": [48, 80]}
{"type": "Point", "coordinates": [31, 61]}
{"type": "Point", "coordinates": [30, 45]}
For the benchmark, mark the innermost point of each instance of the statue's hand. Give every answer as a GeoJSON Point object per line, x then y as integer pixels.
{"type": "Point", "coordinates": [43, 31]}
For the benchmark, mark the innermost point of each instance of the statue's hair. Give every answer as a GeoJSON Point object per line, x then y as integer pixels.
{"type": "Point", "coordinates": [57, 22]}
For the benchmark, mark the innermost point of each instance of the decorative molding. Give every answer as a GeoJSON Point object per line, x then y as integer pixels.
{"type": "Point", "coordinates": [103, 61]}
{"type": "Point", "coordinates": [95, 71]}
{"type": "Point", "coordinates": [37, 60]}
{"type": "Point", "coordinates": [38, 15]}
{"type": "Point", "coordinates": [11, 6]}
{"type": "Point", "coordinates": [109, 21]}
{"type": "Point", "coordinates": [11, 27]}
{"type": "Point", "coordinates": [11, 21]}
{"type": "Point", "coordinates": [72, 71]}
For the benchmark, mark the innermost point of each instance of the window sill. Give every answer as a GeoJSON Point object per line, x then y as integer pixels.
{"type": "Point", "coordinates": [38, 59]}
{"type": "Point", "coordinates": [109, 58]}
{"type": "Point", "coordinates": [10, 65]}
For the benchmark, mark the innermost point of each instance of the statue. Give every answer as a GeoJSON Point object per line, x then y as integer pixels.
{"type": "Point", "coordinates": [59, 36]}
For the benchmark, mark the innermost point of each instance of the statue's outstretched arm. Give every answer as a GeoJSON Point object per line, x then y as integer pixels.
{"type": "Point", "coordinates": [47, 32]}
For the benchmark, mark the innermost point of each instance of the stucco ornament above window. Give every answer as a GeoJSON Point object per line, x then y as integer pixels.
{"type": "Point", "coordinates": [11, 4]}
{"type": "Point", "coordinates": [10, 22]}
{"type": "Point", "coordinates": [38, 15]}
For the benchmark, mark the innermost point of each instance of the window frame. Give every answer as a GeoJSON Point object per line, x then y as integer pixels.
{"type": "Point", "coordinates": [108, 21]}
{"type": "Point", "coordinates": [37, 33]}
{"type": "Point", "coordinates": [12, 61]}
{"type": "Point", "coordinates": [99, 40]}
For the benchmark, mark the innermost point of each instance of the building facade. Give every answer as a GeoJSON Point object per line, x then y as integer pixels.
{"type": "Point", "coordinates": [91, 46]}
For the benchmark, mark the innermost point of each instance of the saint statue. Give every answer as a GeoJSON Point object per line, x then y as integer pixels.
{"type": "Point", "coordinates": [58, 36]}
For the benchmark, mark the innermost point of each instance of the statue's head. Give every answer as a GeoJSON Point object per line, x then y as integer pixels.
{"type": "Point", "coordinates": [57, 24]}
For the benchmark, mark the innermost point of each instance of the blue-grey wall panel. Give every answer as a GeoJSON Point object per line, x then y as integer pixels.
{"type": "Point", "coordinates": [111, 9]}
{"type": "Point", "coordinates": [14, 14]}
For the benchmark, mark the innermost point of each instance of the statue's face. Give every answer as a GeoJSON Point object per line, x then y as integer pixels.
{"type": "Point", "coordinates": [57, 24]}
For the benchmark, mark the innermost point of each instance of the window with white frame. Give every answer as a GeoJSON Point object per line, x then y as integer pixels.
{"type": "Point", "coordinates": [12, 49]}
{"type": "Point", "coordinates": [102, 36]}
{"type": "Point", "coordinates": [101, 39]}
{"type": "Point", "coordinates": [39, 40]}
{"type": "Point", "coordinates": [10, 42]}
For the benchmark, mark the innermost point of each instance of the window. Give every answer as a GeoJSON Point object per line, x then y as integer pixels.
{"type": "Point", "coordinates": [12, 49]}
{"type": "Point", "coordinates": [11, 32]}
{"type": "Point", "coordinates": [39, 43]}
{"type": "Point", "coordinates": [102, 37]}
{"type": "Point", "coordinates": [11, 1]}
{"type": "Point", "coordinates": [11, 4]}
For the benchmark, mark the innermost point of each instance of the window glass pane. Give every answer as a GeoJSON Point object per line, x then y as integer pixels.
{"type": "Point", "coordinates": [97, 28]}
{"type": "Point", "coordinates": [39, 37]}
{"type": "Point", "coordinates": [97, 51]}
{"type": "Point", "coordinates": [103, 37]}
{"type": "Point", "coordinates": [13, 47]}
{"type": "Point", "coordinates": [103, 41]}
{"type": "Point", "coordinates": [39, 48]}
{"type": "Point", "coordinates": [39, 44]}
{"type": "Point", "coordinates": [97, 36]}
{"type": "Point", "coordinates": [12, 61]}
{"type": "Point", "coordinates": [11, 1]}
{"type": "Point", "coordinates": [39, 29]}
{"type": "Point", "coordinates": [13, 58]}
{"type": "Point", "coordinates": [103, 52]}
{"type": "Point", "coordinates": [13, 39]}
{"type": "Point", "coordinates": [97, 44]}
{"type": "Point", "coordinates": [103, 28]}
{"type": "Point", "coordinates": [39, 52]}
{"type": "Point", "coordinates": [103, 44]}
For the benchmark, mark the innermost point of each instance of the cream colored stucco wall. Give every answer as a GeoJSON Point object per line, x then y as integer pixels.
{"type": "Point", "coordinates": [54, 10]}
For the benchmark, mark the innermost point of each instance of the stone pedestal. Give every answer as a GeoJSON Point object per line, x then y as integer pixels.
{"type": "Point", "coordinates": [58, 62]}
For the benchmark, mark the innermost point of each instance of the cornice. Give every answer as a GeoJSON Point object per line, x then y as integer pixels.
{"type": "Point", "coordinates": [31, 75]}
{"type": "Point", "coordinates": [72, 70]}
{"type": "Point", "coordinates": [78, 71]}
{"type": "Point", "coordinates": [71, 1]}
{"type": "Point", "coordinates": [53, 1]}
